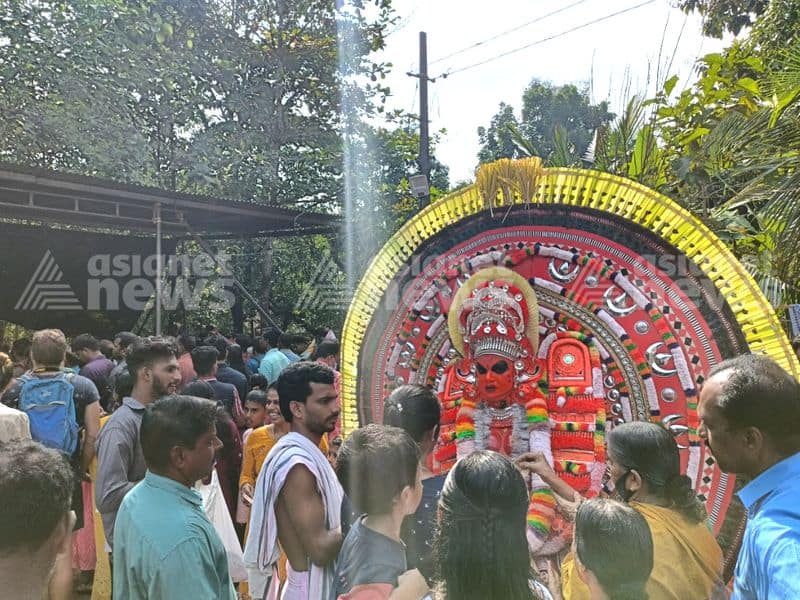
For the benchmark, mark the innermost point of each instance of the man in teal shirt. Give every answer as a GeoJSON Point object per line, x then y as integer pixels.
{"type": "Point", "coordinates": [274, 360]}
{"type": "Point", "coordinates": [164, 546]}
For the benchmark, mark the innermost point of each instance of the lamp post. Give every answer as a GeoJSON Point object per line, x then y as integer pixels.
{"type": "Point", "coordinates": [420, 188]}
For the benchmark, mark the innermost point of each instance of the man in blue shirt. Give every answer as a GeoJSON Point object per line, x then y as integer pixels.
{"type": "Point", "coordinates": [225, 373]}
{"type": "Point", "coordinates": [274, 360]}
{"type": "Point", "coordinates": [750, 418]}
{"type": "Point", "coordinates": [285, 345]}
{"type": "Point", "coordinates": [259, 350]}
{"type": "Point", "coordinates": [165, 547]}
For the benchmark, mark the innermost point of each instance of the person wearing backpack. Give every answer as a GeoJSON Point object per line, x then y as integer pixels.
{"type": "Point", "coordinates": [62, 408]}
{"type": "Point", "coordinates": [63, 412]}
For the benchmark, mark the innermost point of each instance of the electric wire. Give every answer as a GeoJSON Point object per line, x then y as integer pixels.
{"type": "Point", "coordinates": [449, 72]}
{"type": "Point", "coordinates": [504, 33]}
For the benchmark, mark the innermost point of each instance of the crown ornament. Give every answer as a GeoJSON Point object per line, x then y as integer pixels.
{"type": "Point", "coordinates": [495, 313]}
{"type": "Point", "coordinates": [496, 347]}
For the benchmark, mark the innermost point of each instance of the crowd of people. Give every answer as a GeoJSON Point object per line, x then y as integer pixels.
{"type": "Point", "coordinates": [213, 467]}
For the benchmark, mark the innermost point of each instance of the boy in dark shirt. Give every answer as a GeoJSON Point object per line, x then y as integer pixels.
{"type": "Point", "coordinates": [378, 469]}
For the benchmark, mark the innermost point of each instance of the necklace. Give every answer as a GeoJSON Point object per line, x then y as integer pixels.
{"type": "Point", "coordinates": [501, 415]}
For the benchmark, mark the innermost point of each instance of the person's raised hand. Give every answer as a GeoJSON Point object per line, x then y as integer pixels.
{"type": "Point", "coordinates": [534, 462]}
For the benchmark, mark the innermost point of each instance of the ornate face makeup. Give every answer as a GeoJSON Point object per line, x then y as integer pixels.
{"type": "Point", "coordinates": [495, 378]}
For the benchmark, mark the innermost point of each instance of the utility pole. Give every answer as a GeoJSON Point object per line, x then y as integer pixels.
{"type": "Point", "coordinates": [159, 265]}
{"type": "Point", "coordinates": [424, 134]}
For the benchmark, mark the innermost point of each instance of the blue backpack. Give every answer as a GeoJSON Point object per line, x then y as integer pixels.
{"type": "Point", "coordinates": [50, 406]}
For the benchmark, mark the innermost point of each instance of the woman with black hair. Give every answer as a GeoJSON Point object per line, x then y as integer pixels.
{"type": "Point", "coordinates": [415, 408]}
{"type": "Point", "coordinates": [613, 550]}
{"type": "Point", "coordinates": [229, 456]}
{"type": "Point", "coordinates": [645, 471]}
{"type": "Point", "coordinates": [480, 549]}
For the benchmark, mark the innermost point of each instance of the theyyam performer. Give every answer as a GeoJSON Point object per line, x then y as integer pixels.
{"type": "Point", "coordinates": [546, 306]}
{"type": "Point", "coordinates": [512, 399]}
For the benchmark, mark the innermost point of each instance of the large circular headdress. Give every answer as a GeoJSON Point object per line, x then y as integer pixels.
{"type": "Point", "coordinates": [659, 295]}
{"type": "Point", "coordinates": [478, 301]}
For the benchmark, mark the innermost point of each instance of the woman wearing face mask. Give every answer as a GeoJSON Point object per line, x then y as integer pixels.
{"type": "Point", "coordinates": [644, 465]}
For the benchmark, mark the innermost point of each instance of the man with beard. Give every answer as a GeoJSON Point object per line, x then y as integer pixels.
{"type": "Point", "coordinates": [166, 546]}
{"type": "Point", "coordinates": [298, 497]}
{"type": "Point", "coordinates": [750, 418]}
{"type": "Point", "coordinates": [153, 365]}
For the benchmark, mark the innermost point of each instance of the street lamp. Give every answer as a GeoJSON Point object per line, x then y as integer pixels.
{"type": "Point", "coordinates": [419, 185]}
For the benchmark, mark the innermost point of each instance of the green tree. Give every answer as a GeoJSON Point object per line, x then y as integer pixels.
{"type": "Point", "coordinates": [721, 16]}
{"type": "Point", "coordinates": [773, 24]}
{"type": "Point", "coordinates": [545, 106]}
{"type": "Point", "coordinates": [187, 95]}
{"type": "Point", "coordinates": [628, 147]}
{"type": "Point", "coordinates": [732, 141]}
{"type": "Point", "coordinates": [497, 141]}
{"type": "Point", "coordinates": [557, 122]}
{"type": "Point", "coordinates": [728, 85]}
{"type": "Point", "coordinates": [777, 29]}
{"type": "Point", "coordinates": [241, 99]}
{"type": "Point", "coordinates": [382, 199]}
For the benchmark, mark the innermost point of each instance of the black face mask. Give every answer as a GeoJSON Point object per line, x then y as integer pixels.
{"type": "Point", "coordinates": [619, 487]}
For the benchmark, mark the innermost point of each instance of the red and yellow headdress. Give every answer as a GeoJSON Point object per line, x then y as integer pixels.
{"type": "Point", "coordinates": [495, 312]}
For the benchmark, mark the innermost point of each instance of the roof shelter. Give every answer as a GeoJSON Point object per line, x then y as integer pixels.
{"type": "Point", "coordinates": [77, 252]}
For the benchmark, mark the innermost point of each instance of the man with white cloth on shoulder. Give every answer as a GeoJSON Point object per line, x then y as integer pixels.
{"type": "Point", "coordinates": [298, 497]}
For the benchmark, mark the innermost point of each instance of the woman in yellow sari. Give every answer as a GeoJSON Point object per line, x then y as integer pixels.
{"type": "Point", "coordinates": [644, 465]}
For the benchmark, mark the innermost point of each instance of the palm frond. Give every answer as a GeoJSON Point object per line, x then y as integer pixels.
{"type": "Point", "coordinates": [523, 144]}
{"type": "Point", "coordinates": [563, 149]}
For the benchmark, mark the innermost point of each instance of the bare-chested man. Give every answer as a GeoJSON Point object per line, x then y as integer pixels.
{"type": "Point", "coordinates": [298, 498]}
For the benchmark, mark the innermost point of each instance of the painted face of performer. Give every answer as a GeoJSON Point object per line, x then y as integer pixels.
{"type": "Point", "coordinates": [495, 378]}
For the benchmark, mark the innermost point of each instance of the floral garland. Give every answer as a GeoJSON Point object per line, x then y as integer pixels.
{"type": "Point", "coordinates": [541, 511]}
{"type": "Point", "coordinates": [465, 421]}
{"type": "Point", "coordinates": [536, 408]}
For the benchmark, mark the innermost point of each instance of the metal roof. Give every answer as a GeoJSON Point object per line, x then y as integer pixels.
{"type": "Point", "coordinates": [34, 195]}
